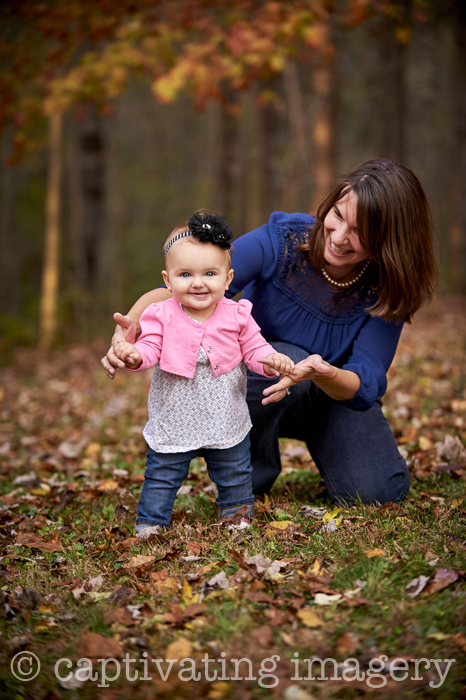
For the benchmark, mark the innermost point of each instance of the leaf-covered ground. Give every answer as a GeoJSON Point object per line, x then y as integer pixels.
{"type": "Point", "coordinates": [306, 581]}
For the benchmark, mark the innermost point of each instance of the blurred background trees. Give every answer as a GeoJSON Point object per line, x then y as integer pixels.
{"type": "Point", "coordinates": [121, 118]}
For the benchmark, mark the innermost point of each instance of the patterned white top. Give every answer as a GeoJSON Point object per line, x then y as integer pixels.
{"type": "Point", "coordinates": [205, 411]}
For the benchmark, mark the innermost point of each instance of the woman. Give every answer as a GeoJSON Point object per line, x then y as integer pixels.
{"type": "Point", "coordinates": [332, 293]}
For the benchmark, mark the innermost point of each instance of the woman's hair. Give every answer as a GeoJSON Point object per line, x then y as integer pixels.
{"type": "Point", "coordinates": [395, 228]}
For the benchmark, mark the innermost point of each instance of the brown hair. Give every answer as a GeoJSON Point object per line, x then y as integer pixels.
{"type": "Point", "coordinates": [394, 227]}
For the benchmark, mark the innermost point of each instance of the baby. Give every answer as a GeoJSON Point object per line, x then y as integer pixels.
{"type": "Point", "coordinates": [197, 399]}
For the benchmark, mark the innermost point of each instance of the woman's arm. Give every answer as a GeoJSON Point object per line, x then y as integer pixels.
{"type": "Point", "coordinates": [128, 328]}
{"type": "Point", "coordinates": [339, 384]}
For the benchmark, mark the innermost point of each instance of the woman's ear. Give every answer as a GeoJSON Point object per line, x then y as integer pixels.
{"type": "Point", "coordinates": [229, 278]}
{"type": "Point", "coordinates": [165, 279]}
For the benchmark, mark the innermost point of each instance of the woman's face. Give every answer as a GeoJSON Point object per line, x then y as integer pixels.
{"type": "Point", "coordinates": [342, 246]}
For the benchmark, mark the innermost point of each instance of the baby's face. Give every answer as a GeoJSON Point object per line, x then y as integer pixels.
{"type": "Point", "coordinates": [197, 274]}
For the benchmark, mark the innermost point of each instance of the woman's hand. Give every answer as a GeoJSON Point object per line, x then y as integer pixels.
{"type": "Point", "coordinates": [313, 367]}
{"type": "Point", "coordinates": [126, 331]}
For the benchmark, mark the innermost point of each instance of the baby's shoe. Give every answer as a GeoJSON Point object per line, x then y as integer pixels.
{"type": "Point", "coordinates": [244, 524]}
{"type": "Point", "coordinates": [147, 530]}
{"type": "Point", "coordinates": [240, 517]}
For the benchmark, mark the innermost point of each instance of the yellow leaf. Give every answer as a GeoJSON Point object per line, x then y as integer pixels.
{"type": "Point", "coordinates": [93, 449]}
{"type": "Point", "coordinates": [377, 552]}
{"type": "Point", "coordinates": [439, 636]}
{"type": "Point", "coordinates": [41, 490]}
{"type": "Point", "coordinates": [187, 595]}
{"type": "Point", "coordinates": [181, 648]}
{"type": "Point", "coordinates": [425, 443]}
{"type": "Point", "coordinates": [47, 609]}
{"type": "Point", "coordinates": [168, 585]}
{"type": "Point", "coordinates": [309, 618]}
{"type": "Point", "coordinates": [276, 525]}
{"type": "Point", "coordinates": [108, 485]}
{"type": "Point", "coordinates": [317, 568]}
{"type": "Point", "coordinates": [330, 515]}
{"type": "Point", "coordinates": [218, 690]}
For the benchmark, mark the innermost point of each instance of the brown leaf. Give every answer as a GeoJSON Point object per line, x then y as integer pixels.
{"type": "Point", "coordinates": [262, 635]}
{"type": "Point", "coordinates": [94, 645]}
{"type": "Point", "coordinates": [347, 644]}
{"type": "Point", "coordinates": [122, 595]}
{"type": "Point", "coordinates": [194, 609]}
{"type": "Point", "coordinates": [259, 597]}
{"type": "Point", "coordinates": [194, 549]}
{"type": "Point", "coordinates": [442, 579]}
{"type": "Point", "coordinates": [120, 615]}
{"type": "Point", "coordinates": [26, 539]}
{"type": "Point", "coordinates": [159, 575]}
{"type": "Point", "coordinates": [139, 565]}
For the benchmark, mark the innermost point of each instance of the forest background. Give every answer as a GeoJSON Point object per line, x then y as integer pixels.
{"type": "Point", "coordinates": [122, 118]}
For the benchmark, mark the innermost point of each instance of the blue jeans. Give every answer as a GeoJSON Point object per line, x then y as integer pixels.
{"type": "Point", "coordinates": [355, 452]}
{"type": "Point", "coordinates": [229, 469]}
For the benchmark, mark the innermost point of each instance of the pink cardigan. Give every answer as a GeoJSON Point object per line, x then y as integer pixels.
{"type": "Point", "coordinates": [230, 335]}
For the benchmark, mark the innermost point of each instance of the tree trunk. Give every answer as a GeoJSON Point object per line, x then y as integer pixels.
{"type": "Point", "coordinates": [297, 120]}
{"type": "Point", "coordinates": [9, 259]}
{"type": "Point", "coordinates": [458, 226]}
{"type": "Point", "coordinates": [392, 35]}
{"type": "Point", "coordinates": [225, 191]}
{"type": "Point", "coordinates": [269, 134]}
{"type": "Point", "coordinates": [92, 148]}
{"type": "Point", "coordinates": [325, 131]}
{"type": "Point", "coordinates": [51, 265]}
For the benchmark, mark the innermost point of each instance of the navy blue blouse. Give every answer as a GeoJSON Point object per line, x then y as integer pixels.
{"type": "Point", "coordinates": [292, 303]}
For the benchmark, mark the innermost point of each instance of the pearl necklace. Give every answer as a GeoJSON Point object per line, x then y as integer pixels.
{"type": "Point", "coordinates": [345, 284]}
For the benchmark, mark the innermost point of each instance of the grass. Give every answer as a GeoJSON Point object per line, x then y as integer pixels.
{"type": "Point", "coordinates": [61, 419]}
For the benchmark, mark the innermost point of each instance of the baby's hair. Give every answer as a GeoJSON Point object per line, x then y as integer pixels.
{"type": "Point", "coordinates": [206, 228]}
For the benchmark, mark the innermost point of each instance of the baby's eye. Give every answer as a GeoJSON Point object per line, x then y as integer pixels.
{"type": "Point", "coordinates": [210, 274]}
{"type": "Point", "coordinates": [185, 274]}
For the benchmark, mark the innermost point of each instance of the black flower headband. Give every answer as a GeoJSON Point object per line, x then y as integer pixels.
{"type": "Point", "coordinates": [206, 228]}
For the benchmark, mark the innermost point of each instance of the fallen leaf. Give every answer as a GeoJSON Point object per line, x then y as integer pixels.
{"type": "Point", "coordinates": [460, 640]}
{"type": "Point", "coordinates": [140, 564]}
{"type": "Point", "coordinates": [167, 585]}
{"type": "Point", "coordinates": [310, 512]}
{"type": "Point", "coordinates": [424, 443]}
{"type": "Point", "coordinates": [181, 648]}
{"type": "Point", "coordinates": [42, 489]}
{"type": "Point", "coordinates": [347, 644]}
{"type": "Point", "coordinates": [442, 579]}
{"type": "Point", "coordinates": [219, 580]}
{"type": "Point", "coordinates": [376, 552]}
{"type": "Point", "coordinates": [416, 585]}
{"type": "Point", "coordinates": [309, 618]}
{"type": "Point", "coordinates": [187, 595]}
{"type": "Point", "coordinates": [88, 586]}
{"type": "Point", "coordinates": [330, 515]}
{"type": "Point", "coordinates": [27, 539]}
{"type": "Point", "coordinates": [262, 635]}
{"type": "Point", "coordinates": [294, 692]}
{"type": "Point", "coordinates": [324, 599]}
{"type": "Point", "coordinates": [122, 595]}
{"type": "Point", "coordinates": [108, 485]}
{"type": "Point", "coordinates": [277, 526]}
{"type": "Point", "coordinates": [94, 645]}
{"type": "Point", "coordinates": [93, 449]}
{"type": "Point", "coordinates": [218, 690]}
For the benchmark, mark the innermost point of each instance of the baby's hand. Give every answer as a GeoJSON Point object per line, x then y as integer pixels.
{"type": "Point", "coordinates": [128, 354]}
{"type": "Point", "coordinates": [275, 363]}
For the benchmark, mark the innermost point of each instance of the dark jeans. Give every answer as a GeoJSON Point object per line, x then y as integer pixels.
{"type": "Point", "coordinates": [355, 451]}
{"type": "Point", "coordinates": [229, 469]}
